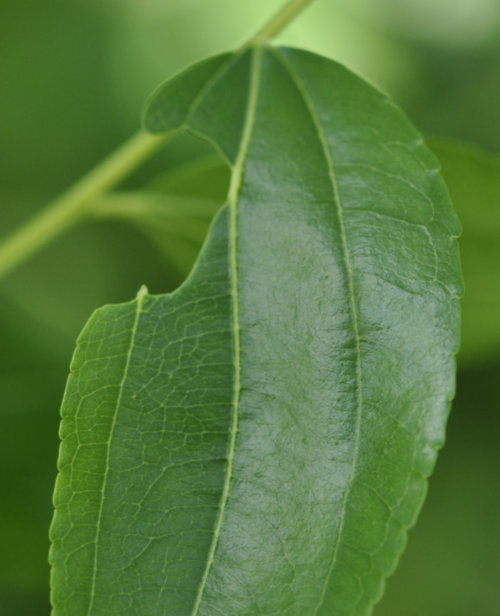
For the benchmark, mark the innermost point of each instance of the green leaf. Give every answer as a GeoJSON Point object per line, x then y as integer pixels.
{"type": "Point", "coordinates": [258, 442]}
{"type": "Point", "coordinates": [176, 224]}
{"type": "Point", "coordinates": [473, 178]}
{"type": "Point", "coordinates": [205, 178]}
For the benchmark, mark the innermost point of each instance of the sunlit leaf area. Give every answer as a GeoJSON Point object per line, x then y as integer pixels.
{"type": "Point", "coordinates": [75, 76]}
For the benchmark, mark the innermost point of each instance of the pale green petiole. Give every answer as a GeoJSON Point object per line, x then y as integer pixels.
{"type": "Point", "coordinates": [279, 22]}
{"type": "Point", "coordinates": [68, 209]}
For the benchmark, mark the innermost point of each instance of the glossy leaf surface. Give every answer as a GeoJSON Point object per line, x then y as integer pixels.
{"type": "Point", "coordinates": [258, 441]}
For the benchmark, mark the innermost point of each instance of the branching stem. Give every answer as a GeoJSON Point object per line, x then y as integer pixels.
{"type": "Point", "coordinates": [68, 209]}
{"type": "Point", "coordinates": [71, 207]}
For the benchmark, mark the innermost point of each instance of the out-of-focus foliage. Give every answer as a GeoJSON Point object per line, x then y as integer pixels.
{"type": "Point", "coordinates": [451, 566]}
{"type": "Point", "coordinates": [473, 179]}
{"type": "Point", "coordinates": [74, 74]}
{"type": "Point", "coordinates": [175, 209]}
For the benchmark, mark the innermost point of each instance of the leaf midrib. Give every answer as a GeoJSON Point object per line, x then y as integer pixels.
{"type": "Point", "coordinates": [302, 90]}
{"type": "Point", "coordinates": [234, 190]}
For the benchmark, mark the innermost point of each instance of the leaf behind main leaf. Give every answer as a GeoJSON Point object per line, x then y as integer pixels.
{"type": "Point", "coordinates": [473, 178]}
{"type": "Point", "coordinates": [258, 442]}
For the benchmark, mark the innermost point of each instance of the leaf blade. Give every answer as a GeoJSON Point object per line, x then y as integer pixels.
{"type": "Point", "coordinates": [144, 453]}
{"type": "Point", "coordinates": [329, 285]}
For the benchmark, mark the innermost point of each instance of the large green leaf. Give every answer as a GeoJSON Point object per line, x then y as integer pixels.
{"type": "Point", "coordinates": [473, 178]}
{"type": "Point", "coordinates": [258, 441]}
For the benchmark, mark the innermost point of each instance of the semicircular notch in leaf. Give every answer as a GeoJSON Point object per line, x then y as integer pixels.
{"type": "Point", "coordinates": [258, 442]}
{"type": "Point", "coordinates": [174, 210]}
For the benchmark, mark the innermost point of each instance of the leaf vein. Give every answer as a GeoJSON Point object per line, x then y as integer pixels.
{"type": "Point", "coordinates": [234, 190]}
{"type": "Point", "coordinates": [140, 301]}
{"type": "Point", "coordinates": [349, 273]}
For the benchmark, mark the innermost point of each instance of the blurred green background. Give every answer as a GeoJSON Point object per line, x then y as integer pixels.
{"type": "Point", "coordinates": [73, 77]}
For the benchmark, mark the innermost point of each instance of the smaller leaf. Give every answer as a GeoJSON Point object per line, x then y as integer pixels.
{"type": "Point", "coordinates": [176, 224]}
{"type": "Point", "coordinates": [206, 177]}
{"type": "Point", "coordinates": [175, 209]}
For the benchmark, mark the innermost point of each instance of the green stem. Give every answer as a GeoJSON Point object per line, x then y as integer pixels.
{"type": "Point", "coordinates": [277, 23]}
{"type": "Point", "coordinates": [71, 206]}
{"type": "Point", "coordinates": [144, 205]}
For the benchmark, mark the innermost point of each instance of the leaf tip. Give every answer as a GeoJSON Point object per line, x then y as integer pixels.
{"type": "Point", "coordinates": [142, 292]}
